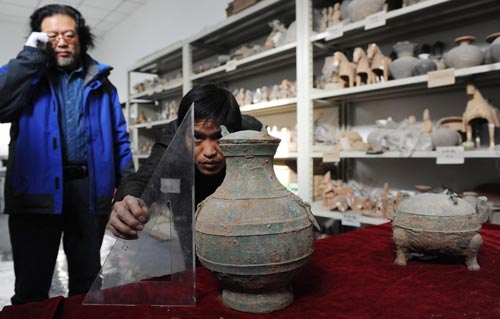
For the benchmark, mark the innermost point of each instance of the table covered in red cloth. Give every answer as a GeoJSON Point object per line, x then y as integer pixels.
{"type": "Point", "coordinates": [351, 275]}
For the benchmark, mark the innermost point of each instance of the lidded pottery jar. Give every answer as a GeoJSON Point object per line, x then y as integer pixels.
{"type": "Point", "coordinates": [439, 224]}
{"type": "Point", "coordinates": [465, 54]}
{"type": "Point", "coordinates": [445, 136]}
{"type": "Point", "coordinates": [253, 233]}
{"type": "Point", "coordinates": [494, 48]}
{"type": "Point", "coordinates": [402, 67]}
{"type": "Point", "coordinates": [424, 64]}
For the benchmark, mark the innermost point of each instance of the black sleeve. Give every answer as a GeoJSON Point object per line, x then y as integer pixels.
{"type": "Point", "coordinates": [16, 80]}
{"type": "Point", "coordinates": [136, 183]}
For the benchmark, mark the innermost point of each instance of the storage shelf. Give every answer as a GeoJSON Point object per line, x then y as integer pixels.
{"type": "Point", "coordinates": [415, 82]}
{"type": "Point", "coordinates": [273, 57]}
{"type": "Point", "coordinates": [415, 19]}
{"type": "Point", "coordinates": [164, 92]}
{"type": "Point", "coordinates": [318, 210]}
{"type": "Point", "coordinates": [151, 124]}
{"type": "Point", "coordinates": [482, 153]}
{"type": "Point", "coordinates": [161, 61]}
{"type": "Point", "coordinates": [241, 28]}
{"type": "Point", "coordinates": [268, 106]}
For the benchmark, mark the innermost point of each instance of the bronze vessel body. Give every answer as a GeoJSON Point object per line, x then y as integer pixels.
{"type": "Point", "coordinates": [253, 233]}
{"type": "Point", "coordinates": [439, 224]}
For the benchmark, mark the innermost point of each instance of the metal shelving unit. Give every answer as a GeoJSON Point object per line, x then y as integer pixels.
{"type": "Point", "coordinates": [252, 24]}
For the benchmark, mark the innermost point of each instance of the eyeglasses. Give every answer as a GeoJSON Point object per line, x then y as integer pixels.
{"type": "Point", "coordinates": [68, 37]}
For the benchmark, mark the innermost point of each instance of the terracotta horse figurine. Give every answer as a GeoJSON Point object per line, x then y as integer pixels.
{"type": "Point", "coordinates": [346, 71]}
{"type": "Point", "coordinates": [364, 74]}
{"type": "Point", "coordinates": [479, 107]}
{"type": "Point", "coordinates": [379, 63]}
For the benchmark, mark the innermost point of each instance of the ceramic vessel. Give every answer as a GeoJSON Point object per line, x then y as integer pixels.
{"type": "Point", "coordinates": [439, 224]}
{"type": "Point", "coordinates": [494, 48]}
{"type": "Point", "coordinates": [403, 66]}
{"type": "Point", "coordinates": [424, 64]}
{"type": "Point", "coordinates": [464, 55]}
{"type": "Point", "coordinates": [253, 233]}
{"type": "Point", "coordinates": [444, 136]}
{"type": "Point", "coordinates": [360, 9]}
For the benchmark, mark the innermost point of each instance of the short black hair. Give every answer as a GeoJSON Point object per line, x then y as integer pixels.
{"type": "Point", "coordinates": [213, 103]}
{"type": "Point", "coordinates": [85, 36]}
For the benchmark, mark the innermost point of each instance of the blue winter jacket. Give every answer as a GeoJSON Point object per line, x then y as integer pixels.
{"type": "Point", "coordinates": [34, 182]}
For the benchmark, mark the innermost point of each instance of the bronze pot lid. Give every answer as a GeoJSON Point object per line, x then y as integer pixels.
{"type": "Point", "coordinates": [247, 137]}
{"type": "Point", "coordinates": [429, 204]}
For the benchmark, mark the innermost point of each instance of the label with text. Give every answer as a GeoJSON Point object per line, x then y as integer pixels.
{"type": "Point", "coordinates": [351, 219]}
{"type": "Point", "coordinates": [375, 20]}
{"type": "Point", "coordinates": [230, 65]}
{"type": "Point", "coordinates": [331, 157]}
{"type": "Point", "coordinates": [441, 78]}
{"type": "Point", "coordinates": [450, 155]}
{"type": "Point", "coordinates": [337, 31]}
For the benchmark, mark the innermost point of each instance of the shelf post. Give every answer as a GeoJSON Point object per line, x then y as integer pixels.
{"type": "Point", "coordinates": [303, 13]}
{"type": "Point", "coordinates": [187, 67]}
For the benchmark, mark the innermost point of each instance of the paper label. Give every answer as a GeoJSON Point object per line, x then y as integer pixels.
{"type": "Point", "coordinates": [375, 20]}
{"type": "Point", "coordinates": [230, 65]}
{"type": "Point", "coordinates": [450, 155]}
{"type": "Point", "coordinates": [441, 78]}
{"type": "Point", "coordinates": [334, 32]}
{"type": "Point", "coordinates": [331, 157]}
{"type": "Point", "coordinates": [351, 219]}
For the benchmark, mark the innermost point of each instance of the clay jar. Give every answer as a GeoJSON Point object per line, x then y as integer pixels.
{"type": "Point", "coordinates": [444, 136]}
{"type": "Point", "coordinates": [464, 55]}
{"type": "Point", "coordinates": [403, 66]}
{"type": "Point", "coordinates": [360, 9]}
{"type": "Point", "coordinates": [253, 233]}
{"type": "Point", "coordinates": [494, 48]}
{"type": "Point", "coordinates": [424, 64]}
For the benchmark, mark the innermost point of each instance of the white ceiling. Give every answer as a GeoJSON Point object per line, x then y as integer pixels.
{"type": "Point", "coordinates": [100, 15]}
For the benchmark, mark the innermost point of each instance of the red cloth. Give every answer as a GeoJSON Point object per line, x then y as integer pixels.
{"type": "Point", "coordinates": [350, 276]}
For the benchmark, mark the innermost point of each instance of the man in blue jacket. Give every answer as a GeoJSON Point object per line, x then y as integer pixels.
{"type": "Point", "coordinates": [69, 149]}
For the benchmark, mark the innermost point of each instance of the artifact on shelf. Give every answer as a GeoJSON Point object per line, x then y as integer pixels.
{"type": "Point", "coordinates": [437, 55]}
{"type": "Point", "coordinates": [277, 35]}
{"type": "Point", "coordinates": [329, 78]}
{"type": "Point", "coordinates": [445, 136]}
{"type": "Point", "coordinates": [452, 122]}
{"type": "Point", "coordinates": [424, 64]}
{"type": "Point", "coordinates": [403, 66]}
{"type": "Point", "coordinates": [465, 54]}
{"type": "Point", "coordinates": [401, 136]}
{"type": "Point", "coordinates": [247, 100]}
{"type": "Point", "coordinates": [494, 48]}
{"type": "Point", "coordinates": [291, 33]}
{"type": "Point", "coordinates": [360, 9]}
{"type": "Point", "coordinates": [330, 16]}
{"type": "Point", "coordinates": [349, 141]}
{"type": "Point", "coordinates": [385, 204]}
{"type": "Point", "coordinates": [239, 95]}
{"type": "Point", "coordinates": [364, 74]}
{"type": "Point", "coordinates": [253, 233]}
{"type": "Point", "coordinates": [141, 118]}
{"type": "Point", "coordinates": [324, 130]}
{"type": "Point", "coordinates": [426, 127]}
{"type": "Point", "coordinates": [236, 6]}
{"type": "Point", "coordinates": [246, 51]}
{"type": "Point", "coordinates": [346, 72]}
{"type": "Point", "coordinates": [438, 224]}
{"type": "Point", "coordinates": [275, 93]}
{"type": "Point", "coordinates": [478, 108]}
{"type": "Point", "coordinates": [379, 63]}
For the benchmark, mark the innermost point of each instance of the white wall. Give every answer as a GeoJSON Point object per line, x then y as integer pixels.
{"type": "Point", "coordinates": [154, 26]}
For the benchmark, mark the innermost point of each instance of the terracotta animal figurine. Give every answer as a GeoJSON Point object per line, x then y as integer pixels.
{"type": "Point", "coordinates": [364, 74]}
{"type": "Point", "coordinates": [379, 63]}
{"type": "Point", "coordinates": [347, 72]}
{"type": "Point", "coordinates": [479, 107]}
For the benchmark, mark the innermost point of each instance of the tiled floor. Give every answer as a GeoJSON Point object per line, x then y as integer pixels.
{"type": "Point", "coordinates": [60, 278]}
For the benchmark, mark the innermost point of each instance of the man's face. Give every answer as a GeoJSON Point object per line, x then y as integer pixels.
{"type": "Point", "coordinates": [63, 38]}
{"type": "Point", "coordinates": [207, 153]}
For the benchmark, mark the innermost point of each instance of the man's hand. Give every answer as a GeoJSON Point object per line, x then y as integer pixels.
{"type": "Point", "coordinates": [37, 40]}
{"type": "Point", "coordinates": [128, 217]}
